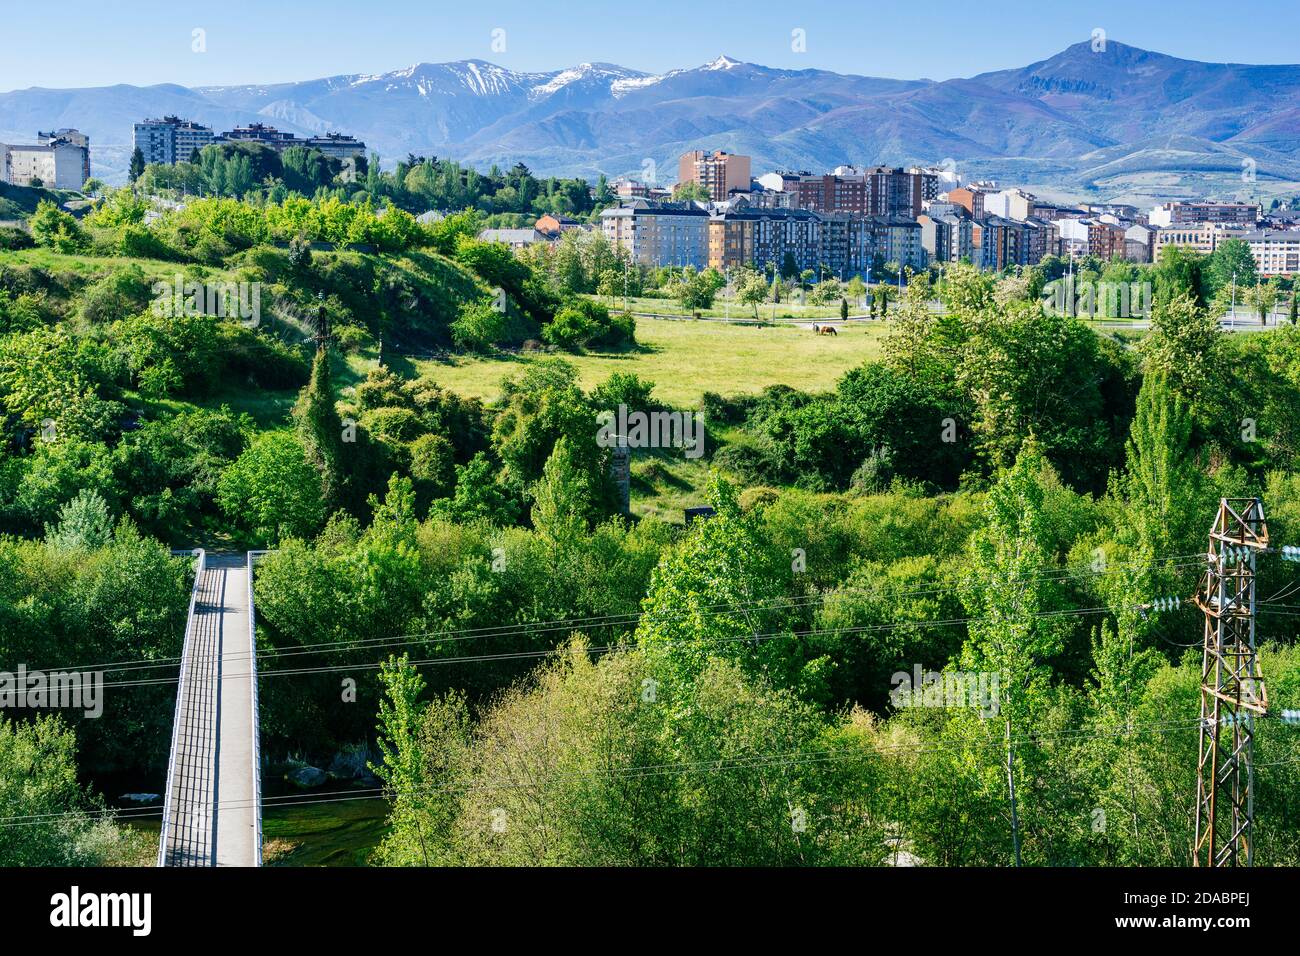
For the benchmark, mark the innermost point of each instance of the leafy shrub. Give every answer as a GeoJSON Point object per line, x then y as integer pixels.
{"type": "Point", "coordinates": [117, 295]}
{"type": "Point", "coordinates": [55, 229]}
{"type": "Point", "coordinates": [748, 462]}
{"type": "Point", "coordinates": [478, 327]}
{"type": "Point", "coordinates": [141, 242]}
{"type": "Point", "coordinates": [583, 323]}
{"type": "Point", "coordinates": [13, 239]}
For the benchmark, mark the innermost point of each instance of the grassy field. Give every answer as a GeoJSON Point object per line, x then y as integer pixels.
{"type": "Point", "coordinates": [684, 359]}
{"type": "Point", "coordinates": [338, 833]}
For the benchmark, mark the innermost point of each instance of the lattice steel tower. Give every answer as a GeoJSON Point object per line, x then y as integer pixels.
{"type": "Point", "coordinates": [1232, 687]}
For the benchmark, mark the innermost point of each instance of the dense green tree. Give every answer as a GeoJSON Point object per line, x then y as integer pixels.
{"type": "Point", "coordinates": [563, 500]}
{"type": "Point", "coordinates": [38, 783]}
{"type": "Point", "coordinates": [84, 522]}
{"type": "Point", "coordinates": [55, 229]}
{"type": "Point", "coordinates": [136, 168]}
{"type": "Point", "coordinates": [478, 496]}
{"type": "Point", "coordinates": [1233, 262]}
{"type": "Point", "coordinates": [321, 430]}
{"type": "Point", "coordinates": [272, 491]}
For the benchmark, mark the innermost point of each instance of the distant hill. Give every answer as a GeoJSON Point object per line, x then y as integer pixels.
{"type": "Point", "coordinates": [1121, 123]}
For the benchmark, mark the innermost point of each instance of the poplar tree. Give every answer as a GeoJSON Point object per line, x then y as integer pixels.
{"type": "Point", "coordinates": [321, 429]}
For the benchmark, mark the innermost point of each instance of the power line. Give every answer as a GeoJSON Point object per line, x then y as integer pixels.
{"type": "Point", "coordinates": [612, 620]}
{"type": "Point", "coordinates": [629, 645]}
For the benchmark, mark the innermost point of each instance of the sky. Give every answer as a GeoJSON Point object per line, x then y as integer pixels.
{"type": "Point", "coordinates": [141, 42]}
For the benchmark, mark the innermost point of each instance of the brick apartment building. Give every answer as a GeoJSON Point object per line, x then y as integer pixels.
{"type": "Point", "coordinates": [718, 172]}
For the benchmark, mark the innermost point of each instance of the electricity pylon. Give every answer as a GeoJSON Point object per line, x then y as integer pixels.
{"type": "Point", "coordinates": [1232, 687]}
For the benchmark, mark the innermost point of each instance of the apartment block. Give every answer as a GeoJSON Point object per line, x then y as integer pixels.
{"type": "Point", "coordinates": [1010, 204]}
{"type": "Point", "coordinates": [718, 172]}
{"type": "Point", "coordinates": [946, 236]}
{"type": "Point", "coordinates": [894, 192]}
{"type": "Point", "coordinates": [846, 244]}
{"type": "Point", "coordinates": [1203, 238]}
{"type": "Point", "coordinates": [333, 145]}
{"type": "Point", "coordinates": [59, 160]}
{"type": "Point", "coordinates": [1073, 236]}
{"type": "Point", "coordinates": [898, 240]}
{"type": "Point", "coordinates": [1276, 251]}
{"type": "Point", "coordinates": [796, 233]}
{"type": "Point", "coordinates": [630, 189]}
{"type": "Point", "coordinates": [1174, 214]}
{"type": "Point", "coordinates": [1123, 212]}
{"type": "Point", "coordinates": [660, 234]}
{"type": "Point", "coordinates": [1137, 243]}
{"type": "Point", "coordinates": [739, 234]}
{"type": "Point", "coordinates": [829, 193]}
{"type": "Point", "coordinates": [1001, 243]}
{"type": "Point", "coordinates": [933, 180]}
{"type": "Point", "coordinates": [258, 133]}
{"type": "Point", "coordinates": [170, 140]}
{"type": "Point", "coordinates": [971, 198]}
{"type": "Point", "coordinates": [1105, 239]}
{"type": "Point", "coordinates": [1040, 240]}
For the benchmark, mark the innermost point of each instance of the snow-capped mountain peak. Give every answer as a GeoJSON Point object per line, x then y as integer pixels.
{"type": "Point", "coordinates": [723, 63]}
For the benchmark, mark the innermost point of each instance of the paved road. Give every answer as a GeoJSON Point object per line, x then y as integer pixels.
{"type": "Point", "coordinates": [212, 806]}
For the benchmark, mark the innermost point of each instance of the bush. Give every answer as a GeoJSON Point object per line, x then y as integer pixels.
{"type": "Point", "coordinates": [117, 295]}
{"type": "Point", "coordinates": [13, 239]}
{"type": "Point", "coordinates": [141, 242]}
{"type": "Point", "coordinates": [55, 229]}
{"type": "Point", "coordinates": [747, 462]}
{"type": "Point", "coordinates": [570, 329]}
{"type": "Point", "coordinates": [583, 323]}
{"type": "Point", "coordinates": [260, 359]}
{"type": "Point", "coordinates": [721, 410]}
{"type": "Point", "coordinates": [875, 473]}
{"type": "Point", "coordinates": [432, 467]}
{"type": "Point", "coordinates": [478, 327]}
{"type": "Point", "coordinates": [624, 388]}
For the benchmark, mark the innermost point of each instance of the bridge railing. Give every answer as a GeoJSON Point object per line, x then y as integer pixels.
{"type": "Point", "coordinates": [253, 558]}
{"type": "Point", "coordinates": [200, 564]}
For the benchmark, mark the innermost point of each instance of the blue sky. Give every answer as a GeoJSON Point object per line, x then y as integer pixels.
{"type": "Point", "coordinates": [100, 42]}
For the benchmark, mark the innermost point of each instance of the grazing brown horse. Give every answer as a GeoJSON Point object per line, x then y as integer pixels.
{"type": "Point", "coordinates": [824, 329]}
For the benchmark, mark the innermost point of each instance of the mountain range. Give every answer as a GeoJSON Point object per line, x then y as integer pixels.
{"type": "Point", "coordinates": [1116, 123]}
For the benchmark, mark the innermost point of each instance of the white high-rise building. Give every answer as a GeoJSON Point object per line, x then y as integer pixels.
{"type": "Point", "coordinates": [170, 140]}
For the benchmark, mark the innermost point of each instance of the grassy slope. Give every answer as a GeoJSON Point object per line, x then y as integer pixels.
{"type": "Point", "coordinates": [21, 201]}
{"type": "Point", "coordinates": [89, 267]}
